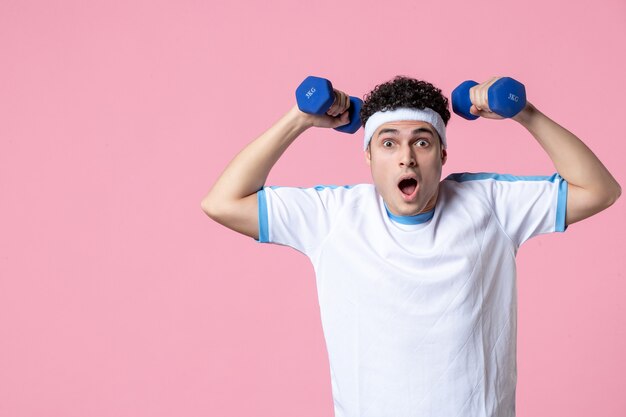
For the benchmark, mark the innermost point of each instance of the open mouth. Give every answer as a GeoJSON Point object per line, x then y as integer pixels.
{"type": "Point", "coordinates": [407, 186]}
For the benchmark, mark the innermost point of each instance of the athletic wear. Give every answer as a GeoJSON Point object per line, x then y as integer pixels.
{"type": "Point", "coordinates": [419, 313]}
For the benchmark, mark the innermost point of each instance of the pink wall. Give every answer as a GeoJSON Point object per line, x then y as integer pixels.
{"type": "Point", "coordinates": [119, 297]}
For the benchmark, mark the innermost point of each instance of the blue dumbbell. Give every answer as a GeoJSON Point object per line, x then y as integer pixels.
{"type": "Point", "coordinates": [315, 95]}
{"type": "Point", "coordinates": [506, 96]}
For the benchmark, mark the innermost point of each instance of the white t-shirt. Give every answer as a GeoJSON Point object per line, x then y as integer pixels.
{"type": "Point", "coordinates": [419, 313]}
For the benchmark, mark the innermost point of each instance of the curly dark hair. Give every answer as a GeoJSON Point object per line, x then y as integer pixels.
{"type": "Point", "coordinates": [404, 91]}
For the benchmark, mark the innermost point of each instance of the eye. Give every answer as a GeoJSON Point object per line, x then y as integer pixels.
{"type": "Point", "coordinates": [387, 143]}
{"type": "Point", "coordinates": [422, 143]}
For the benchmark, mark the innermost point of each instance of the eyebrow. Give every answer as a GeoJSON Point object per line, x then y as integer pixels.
{"type": "Point", "coordinates": [418, 130]}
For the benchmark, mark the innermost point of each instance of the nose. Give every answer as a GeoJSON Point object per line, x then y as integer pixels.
{"type": "Point", "coordinates": [407, 157]}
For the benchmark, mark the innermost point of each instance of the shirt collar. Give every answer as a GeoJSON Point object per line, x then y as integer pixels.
{"type": "Point", "coordinates": [416, 219]}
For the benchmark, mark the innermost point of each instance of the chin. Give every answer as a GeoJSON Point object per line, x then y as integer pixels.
{"type": "Point", "coordinates": [405, 209]}
{"type": "Point", "coordinates": [411, 212]}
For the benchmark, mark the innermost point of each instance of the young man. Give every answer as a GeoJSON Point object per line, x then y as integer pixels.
{"type": "Point", "coordinates": [415, 275]}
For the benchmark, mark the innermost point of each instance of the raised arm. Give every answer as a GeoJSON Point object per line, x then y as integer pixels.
{"type": "Point", "coordinates": [591, 187]}
{"type": "Point", "coordinates": [232, 200]}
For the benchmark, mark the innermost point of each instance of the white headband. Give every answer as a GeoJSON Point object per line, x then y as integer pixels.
{"type": "Point", "coordinates": [424, 115]}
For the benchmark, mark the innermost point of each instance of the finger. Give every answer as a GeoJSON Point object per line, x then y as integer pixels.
{"type": "Point", "coordinates": [484, 113]}
{"type": "Point", "coordinates": [485, 98]}
{"type": "Point", "coordinates": [331, 110]}
{"type": "Point", "coordinates": [474, 97]}
{"type": "Point", "coordinates": [491, 81]}
{"type": "Point", "coordinates": [485, 93]}
{"type": "Point", "coordinates": [342, 120]}
{"type": "Point", "coordinates": [340, 103]}
{"type": "Point", "coordinates": [344, 102]}
{"type": "Point", "coordinates": [334, 109]}
{"type": "Point", "coordinates": [480, 96]}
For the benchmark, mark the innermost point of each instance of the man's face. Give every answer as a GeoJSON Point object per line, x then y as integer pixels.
{"type": "Point", "coordinates": [405, 158]}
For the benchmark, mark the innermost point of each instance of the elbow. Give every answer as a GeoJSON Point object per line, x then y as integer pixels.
{"type": "Point", "coordinates": [612, 194]}
{"type": "Point", "coordinates": [617, 192]}
{"type": "Point", "coordinates": [211, 208]}
{"type": "Point", "coordinates": [206, 207]}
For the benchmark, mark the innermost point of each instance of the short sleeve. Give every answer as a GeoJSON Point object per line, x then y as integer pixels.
{"type": "Point", "coordinates": [529, 206]}
{"type": "Point", "coordinates": [524, 206]}
{"type": "Point", "coordinates": [298, 217]}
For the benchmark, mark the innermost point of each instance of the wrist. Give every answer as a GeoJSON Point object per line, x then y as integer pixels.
{"type": "Point", "coordinates": [302, 120]}
{"type": "Point", "coordinates": [527, 114]}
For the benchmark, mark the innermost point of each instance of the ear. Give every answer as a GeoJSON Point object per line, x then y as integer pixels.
{"type": "Point", "coordinates": [368, 156]}
{"type": "Point", "coordinates": [444, 156]}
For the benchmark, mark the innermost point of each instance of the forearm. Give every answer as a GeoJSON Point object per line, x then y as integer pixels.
{"type": "Point", "coordinates": [572, 159]}
{"type": "Point", "coordinates": [248, 171]}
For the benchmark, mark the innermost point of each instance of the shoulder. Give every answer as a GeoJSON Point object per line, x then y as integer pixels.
{"type": "Point", "coordinates": [326, 195]}
{"type": "Point", "coordinates": [504, 189]}
{"type": "Point", "coordinates": [329, 188]}
{"type": "Point", "coordinates": [463, 177]}
{"type": "Point", "coordinates": [344, 195]}
{"type": "Point", "coordinates": [492, 181]}
{"type": "Point", "coordinates": [351, 189]}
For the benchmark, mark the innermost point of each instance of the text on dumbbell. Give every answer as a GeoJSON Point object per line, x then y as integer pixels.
{"type": "Point", "coordinates": [513, 97]}
{"type": "Point", "coordinates": [310, 92]}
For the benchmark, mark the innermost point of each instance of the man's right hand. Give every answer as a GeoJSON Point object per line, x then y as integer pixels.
{"type": "Point", "coordinates": [337, 115]}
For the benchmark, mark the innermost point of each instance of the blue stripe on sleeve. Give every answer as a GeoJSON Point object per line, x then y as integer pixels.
{"type": "Point", "coordinates": [561, 206]}
{"type": "Point", "coordinates": [263, 227]}
{"type": "Point", "coordinates": [469, 176]}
